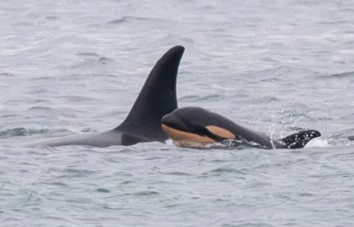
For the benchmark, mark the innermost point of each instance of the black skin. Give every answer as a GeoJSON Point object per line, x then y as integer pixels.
{"type": "Point", "coordinates": [156, 98]}
{"type": "Point", "coordinates": [195, 120]}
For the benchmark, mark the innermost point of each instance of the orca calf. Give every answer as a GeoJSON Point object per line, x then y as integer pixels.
{"type": "Point", "coordinates": [197, 128]}
{"type": "Point", "coordinates": [156, 99]}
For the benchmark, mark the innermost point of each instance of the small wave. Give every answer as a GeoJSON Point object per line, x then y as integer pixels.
{"type": "Point", "coordinates": [87, 61]}
{"type": "Point", "coordinates": [8, 116]}
{"type": "Point", "coordinates": [104, 60]}
{"type": "Point", "coordinates": [176, 173]}
{"type": "Point", "coordinates": [88, 54]}
{"type": "Point", "coordinates": [189, 98]}
{"type": "Point", "coordinates": [339, 75]}
{"type": "Point", "coordinates": [102, 190]}
{"type": "Point", "coordinates": [143, 193]}
{"type": "Point", "coordinates": [5, 74]}
{"type": "Point", "coordinates": [264, 99]}
{"type": "Point", "coordinates": [223, 171]}
{"type": "Point", "coordinates": [21, 132]}
{"type": "Point", "coordinates": [76, 98]}
{"type": "Point", "coordinates": [278, 73]}
{"type": "Point", "coordinates": [248, 224]}
{"type": "Point", "coordinates": [332, 141]}
{"type": "Point", "coordinates": [73, 173]}
{"type": "Point", "coordinates": [271, 79]}
{"type": "Point", "coordinates": [291, 117]}
{"type": "Point", "coordinates": [209, 97]}
{"type": "Point", "coordinates": [130, 18]}
{"type": "Point", "coordinates": [196, 98]}
{"type": "Point", "coordinates": [226, 170]}
{"type": "Point", "coordinates": [100, 59]}
{"type": "Point", "coordinates": [52, 18]}
{"type": "Point", "coordinates": [39, 108]}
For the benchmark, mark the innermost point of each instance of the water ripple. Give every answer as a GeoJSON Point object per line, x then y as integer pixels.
{"type": "Point", "coordinates": [7, 133]}
{"type": "Point", "coordinates": [126, 19]}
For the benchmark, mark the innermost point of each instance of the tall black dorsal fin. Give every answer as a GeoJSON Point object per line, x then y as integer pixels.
{"type": "Point", "coordinates": [156, 99]}
{"type": "Point", "coordinates": [300, 139]}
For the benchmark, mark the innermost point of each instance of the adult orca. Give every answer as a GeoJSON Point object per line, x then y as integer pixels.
{"type": "Point", "coordinates": [156, 99]}
{"type": "Point", "coordinates": [196, 127]}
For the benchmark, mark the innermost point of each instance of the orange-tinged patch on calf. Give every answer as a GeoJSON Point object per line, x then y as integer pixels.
{"type": "Point", "coordinates": [221, 132]}
{"type": "Point", "coordinates": [186, 139]}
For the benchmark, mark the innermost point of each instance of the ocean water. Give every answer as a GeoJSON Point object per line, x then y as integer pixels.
{"type": "Point", "coordinates": [74, 67]}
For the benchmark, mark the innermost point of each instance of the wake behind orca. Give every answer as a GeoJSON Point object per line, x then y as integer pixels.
{"type": "Point", "coordinates": [156, 99]}
{"type": "Point", "coordinates": [197, 128]}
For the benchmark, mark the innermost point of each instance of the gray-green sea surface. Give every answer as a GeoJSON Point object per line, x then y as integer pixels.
{"type": "Point", "coordinates": [75, 67]}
